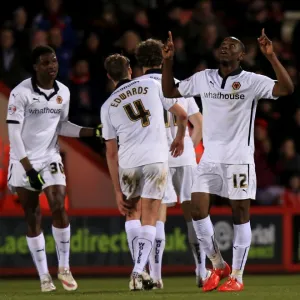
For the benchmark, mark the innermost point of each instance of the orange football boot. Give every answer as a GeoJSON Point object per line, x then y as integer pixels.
{"type": "Point", "coordinates": [231, 285]}
{"type": "Point", "coordinates": [212, 282]}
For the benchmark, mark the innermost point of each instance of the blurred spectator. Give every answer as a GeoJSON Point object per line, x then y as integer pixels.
{"type": "Point", "coordinates": [21, 29]}
{"type": "Point", "coordinates": [141, 24]}
{"type": "Point", "coordinates": [84, 108]}
{"type": "Point", "coordinates": [11, 70]}
{"type": "Point", "coordinates": [91, 51]}
{"type": "Point", "coordinates": [180, 59]}
{"type": "Point", "coordinates": [126, 45]}
{"type": "Point", "coordinates": [63, 53]}
{"type": "Point", "coordinates": [53, 16]}
{"type": "Point", "coordinates": [249, 61]}
{"type": "Point", "coordinates": [203, 14]}
{"type": "Point", "coordinates": [107, 26]}
{"type": "Point", "coordinates": [288, 162]}
{"type": "Point", "coordinates": [291, 195]}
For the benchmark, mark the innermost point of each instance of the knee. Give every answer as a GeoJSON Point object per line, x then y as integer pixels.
{"type": "Point", "coordinates": [33, 215]}
{"type": "Point", "coordinates": [197, 211]}
{"type": "Point", "coordinates": [58, 203]}
{"type": "Point", "coordinates": [240, 214]}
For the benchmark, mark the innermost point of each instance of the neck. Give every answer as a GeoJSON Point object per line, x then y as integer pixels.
{"type": "Point", "coordinates": [226, 68]}
{"type": "Point", "coordinates": [45, 84]}
{"type": "Point", "coordinates": [115, 83]}
{"type": "Point", "coordinates": [145, 69]}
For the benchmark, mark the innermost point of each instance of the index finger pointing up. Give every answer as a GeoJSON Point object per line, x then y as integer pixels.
{"type": "Point", "coordinates": [170, 36]}
{"type": "Point", "coordinates": [263, 32]}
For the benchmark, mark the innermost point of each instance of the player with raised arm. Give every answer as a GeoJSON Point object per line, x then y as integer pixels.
{"type": "Point", "coordinates": [149, 57]}
{"type": "Point", "coordinates": [37, 113]}
{"type": "Point", "coordinates": [229, 98]}
{"type": "Point", "coordinates": [139, 169]}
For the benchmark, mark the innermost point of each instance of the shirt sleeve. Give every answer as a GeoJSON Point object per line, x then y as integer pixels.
{"type": "Point", "coordinates": [16, 108]}
{"type": "Point", "coordinates": [263, 87]}
{"type": "Point", "coordinates": [166, 102]}
{"type": "Point", "coordinates": [193, 108]}
{"type": "Point", "coordinates": [108, 131]}
{"type": "Point", "coordinates": [190, 86]}
{"type": "Point", "coordinates": [64, 115]}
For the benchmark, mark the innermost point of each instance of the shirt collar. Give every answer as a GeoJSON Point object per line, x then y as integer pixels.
{"type": "Point", "coordinates": [233, 73]}
{"type": "Point", "coordinates": [121, 82]}
{"type": "Point", "coordinates": [37, 90]}
{"type": "Point", "coordinates": [153, 71]}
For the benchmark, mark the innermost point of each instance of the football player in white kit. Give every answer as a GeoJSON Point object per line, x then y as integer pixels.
{"type": "Point", "coordinates": [149, 57]}
{"type": "Point", "coordinates": [139, 168]}
{"type": "Point", "coordinates": [229, 98]}
{"type": "Point", "coordinates": [37, 113]}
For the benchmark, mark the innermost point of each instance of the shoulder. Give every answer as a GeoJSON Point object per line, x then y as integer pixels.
{"type": "Point", "coordinates": [105, 106]}
{"type": "Point", "coordinates": [23, 89]}
{"type": "Point", "coordinates": [63, 88]}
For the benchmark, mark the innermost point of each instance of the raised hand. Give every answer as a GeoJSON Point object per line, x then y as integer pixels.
{"type": "Point", "coordinates": [168, 48]}
{"type": "Point", "coordinates": [265, 44]}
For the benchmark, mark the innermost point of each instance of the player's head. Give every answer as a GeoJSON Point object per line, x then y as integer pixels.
{"type": "Point", "coordinates": [44, 62]}
{"type": "Point", "coordinates": [149, 53]}
{"type": "Point", "coordinates": [231, 50]}
{"type": "Point", "coordinates": [117, 67]}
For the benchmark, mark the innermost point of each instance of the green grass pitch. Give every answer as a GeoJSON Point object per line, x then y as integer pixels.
{"type": "Point", "coordinates": [283, 287]}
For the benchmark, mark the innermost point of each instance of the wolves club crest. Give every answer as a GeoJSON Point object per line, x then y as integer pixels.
{"type": "Point", "coordinates": [236, 85]}
{"type": "Point", "coordinates": [59, 100]}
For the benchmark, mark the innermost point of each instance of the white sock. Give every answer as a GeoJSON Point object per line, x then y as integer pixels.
{"type": "Point", "coordinates": [132, 229]}
{"type": "Point", "coordinates": [198, 253]}
{"type": "Point", "coordinates": [37, 249]}
{"type": "Point", "coordinates": [205, 234]}
{"type": "Point", "coordinates": [155, 259]}
{"type": "Point", "coordinates": [143, 247]}
{"type": "Point", "coordinates": [241, 246]}
{"type": "Point", "coordinates": [62, 238]}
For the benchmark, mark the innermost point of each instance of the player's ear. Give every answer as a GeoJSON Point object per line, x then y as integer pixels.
{"type": "Point", "coordinates": [130, 71]}
{"type": "Point", "coordinates": [108, 76]}
{"type": "Point", "coordinates": [35, 67]}
{"type": "Point", "coordinates": [241, 56]}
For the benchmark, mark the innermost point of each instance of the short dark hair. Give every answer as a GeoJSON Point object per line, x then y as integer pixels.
{"type": "Point", "coordinates": [149, 53]}
{"type": "Point", "coordinates": [116, 65]}
{"type": "Point", "coordinates": [40, 50]}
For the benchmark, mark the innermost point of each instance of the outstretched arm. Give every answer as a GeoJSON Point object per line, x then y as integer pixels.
{"type": "Point", "coordinates": [168, 84]}
{"type": "Point", "coordinates": [284, 85]}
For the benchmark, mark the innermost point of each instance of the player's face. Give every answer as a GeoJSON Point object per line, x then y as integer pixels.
{"type": "Point", "coordinates": [47, 66]}
{"type": "Point", "coordinates": [230, 50]}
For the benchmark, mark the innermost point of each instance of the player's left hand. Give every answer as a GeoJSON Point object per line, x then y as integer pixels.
{"type": "Point", "coordinates": [265, 44]}
{"type": "Point", "coordinates": [98, 131]}
{"type": "Point", "coordinates": [177, 147]}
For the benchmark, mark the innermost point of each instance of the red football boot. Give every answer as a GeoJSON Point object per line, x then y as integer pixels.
{"type": "Point", "coordinates": [231, 285]}
{"type": "Point", "coordinates": [212, 282]}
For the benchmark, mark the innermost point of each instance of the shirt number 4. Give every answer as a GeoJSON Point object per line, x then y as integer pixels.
{"type": "Point", "coordinates": [138, 112]}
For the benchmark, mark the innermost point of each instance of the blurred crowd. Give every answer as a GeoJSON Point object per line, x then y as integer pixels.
{"type": "Point", "coordinates": [83, 39]}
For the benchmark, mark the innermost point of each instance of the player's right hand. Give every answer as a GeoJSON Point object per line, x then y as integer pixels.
{"type": "Point", "coordinates": [123, 205]}
{"type": "Point", "coordinates": [168, 48]}
{"type": "Point", "coordinates": [177, 147]}
{"type": "Point", "coordinates": [35, 179]}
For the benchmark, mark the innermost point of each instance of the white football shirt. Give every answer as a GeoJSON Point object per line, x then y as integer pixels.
{"type": "Point", "coordinates": [188, 157]}
{"type": "Point", "coordinates": [134, 115]}
{"type": "Point", "coordinates": [229, 106]}
{"type": "Point", "coordinates": [38, 111]}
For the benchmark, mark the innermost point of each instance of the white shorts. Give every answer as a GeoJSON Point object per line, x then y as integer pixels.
{"type": "Point", "coordinates": [149, 181]}
{"type": "Point", "coordinates": [234, 182]}
{"type": "Point", "coordinates": [179, 185]}
{"type": "Point", "coordinates": [52, 172]}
